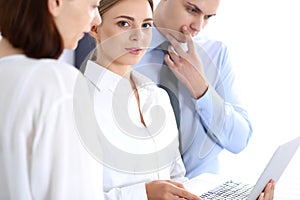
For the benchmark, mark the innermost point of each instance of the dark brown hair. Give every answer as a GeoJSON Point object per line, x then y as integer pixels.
{"type": "Point", "coordinates": [28, 25]}
{"type": "Point", "coordinates": [107, 4]}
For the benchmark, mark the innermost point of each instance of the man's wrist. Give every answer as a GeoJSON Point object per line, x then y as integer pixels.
{"type": "Point", "coordinates": [201, 93]}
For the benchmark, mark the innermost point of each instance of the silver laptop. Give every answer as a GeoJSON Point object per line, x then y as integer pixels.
{"type": "Point", "coordinates": [242, 191]}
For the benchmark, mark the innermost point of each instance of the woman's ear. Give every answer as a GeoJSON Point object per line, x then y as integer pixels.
{"type": "Point", "coordinates": [54, 7]}
{"type": "Point", "coordinates": [94, 32]}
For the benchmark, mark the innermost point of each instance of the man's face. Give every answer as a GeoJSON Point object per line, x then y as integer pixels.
{"type": "Point", "coordinates": [194, 14]}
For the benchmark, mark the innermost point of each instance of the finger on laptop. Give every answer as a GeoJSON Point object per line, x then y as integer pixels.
{"type": "Point", "coordinates": [268, 193]}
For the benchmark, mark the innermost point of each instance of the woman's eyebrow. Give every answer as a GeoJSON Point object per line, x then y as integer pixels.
{"type": "Point", "coordinates": [126, 17]}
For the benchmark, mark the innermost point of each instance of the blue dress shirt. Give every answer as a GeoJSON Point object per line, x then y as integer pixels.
{"type": "Point", "coordinates": [214, 122]}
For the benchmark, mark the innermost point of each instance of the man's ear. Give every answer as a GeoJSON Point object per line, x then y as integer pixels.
{"type": "Point", "coordinates": [54, 7]}
{"type": "Point", "coordinates": [94, 33]}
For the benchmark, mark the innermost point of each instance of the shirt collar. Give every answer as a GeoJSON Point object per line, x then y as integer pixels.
{"type": "Point", "coordinates": [101, 77]}
{"type": "Point", "coordinates": [104, 79]}
{"type": "Point", "coordinates": [157, 38]}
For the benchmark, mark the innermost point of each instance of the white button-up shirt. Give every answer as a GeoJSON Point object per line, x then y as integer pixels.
{"type": "Point", "coordinates": [41, 154]}
{"type": "Point", "coordinates": [135, 154]}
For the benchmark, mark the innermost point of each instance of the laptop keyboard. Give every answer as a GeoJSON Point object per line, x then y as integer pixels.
{"type": "Point", "coordinates": [229, 190]}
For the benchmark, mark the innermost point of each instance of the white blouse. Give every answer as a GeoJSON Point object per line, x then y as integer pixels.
{"type": "Point", "coordinates": [41, 154]}
{"type": "Point", "coordinates": [134, 154]}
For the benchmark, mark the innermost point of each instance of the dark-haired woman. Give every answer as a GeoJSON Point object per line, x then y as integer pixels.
{"type": "Point", "coordinates": [41, 154]}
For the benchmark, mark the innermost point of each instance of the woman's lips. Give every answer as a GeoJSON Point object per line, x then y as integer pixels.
{"type": "Point", "coordinates": [134, 51]}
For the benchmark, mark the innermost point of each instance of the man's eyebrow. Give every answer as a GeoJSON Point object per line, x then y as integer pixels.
{"type": "Point", "coordinates": [195, 6]}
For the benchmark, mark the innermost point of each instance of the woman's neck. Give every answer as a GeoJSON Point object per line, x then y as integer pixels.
{"type": "Point", "coordinates": [6, 49]}
{"type": "Point", "coordinates": [115, 67]}
{"type": "Point", "coordinates": [124, 71]}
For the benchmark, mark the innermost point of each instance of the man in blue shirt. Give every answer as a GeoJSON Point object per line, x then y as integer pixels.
{"type": "Point", "coordinates": [211, 116]}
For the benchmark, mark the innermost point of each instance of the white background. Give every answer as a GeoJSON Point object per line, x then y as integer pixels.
{"type": "Point", "coordinates": [263, 41]}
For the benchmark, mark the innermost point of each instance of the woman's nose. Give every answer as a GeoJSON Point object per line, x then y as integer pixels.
{"type": "Point", "coordinates": [136, 34]}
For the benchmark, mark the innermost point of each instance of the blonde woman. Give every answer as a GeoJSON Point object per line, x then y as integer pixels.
{"type": "Point", "coordinates": [142, 159]}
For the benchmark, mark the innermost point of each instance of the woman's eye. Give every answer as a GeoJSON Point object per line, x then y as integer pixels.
{"type": "Point", "coordinates": [123, 23]}
{"type": "Point", "coordinates": [147, 25]}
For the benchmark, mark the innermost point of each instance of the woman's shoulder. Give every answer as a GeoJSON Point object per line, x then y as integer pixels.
{"type": "Point", "coordinates": [25, 65]}
{"type": "Point", "coordinates": [58, 67]}
{"type": "Point", "coordinates": [41, 75]}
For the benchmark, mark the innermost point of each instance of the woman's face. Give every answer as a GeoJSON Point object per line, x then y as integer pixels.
{"type": "Point", "coordinates": [125, 32]}
{"type": "Point", "coordinates": [75, 18]}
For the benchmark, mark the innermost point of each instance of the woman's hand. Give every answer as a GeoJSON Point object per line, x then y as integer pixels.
{"type": "Point", "coordinates": [168, 190]}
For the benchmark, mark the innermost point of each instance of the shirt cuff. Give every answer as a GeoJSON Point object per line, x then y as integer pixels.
{"type": "Point", "coordinates": [138, 192]}
{"type": "Point", "coordinates": [208, 104]}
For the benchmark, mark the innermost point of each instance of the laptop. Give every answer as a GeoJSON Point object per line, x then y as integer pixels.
{"type": "Point", "coordinates": [242, 191]}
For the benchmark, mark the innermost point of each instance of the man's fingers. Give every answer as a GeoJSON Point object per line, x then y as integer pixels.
{"type": "Point", "coordinates": [174, 56]}
{"type": "Point", "coordinates": [261, 196]}
{"type": "Point", "coordinates": [176, 45]}
{"type": "Point", "coordinates": [268, 193]}
{"type": "Point", "coordinates": [189, 39]}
